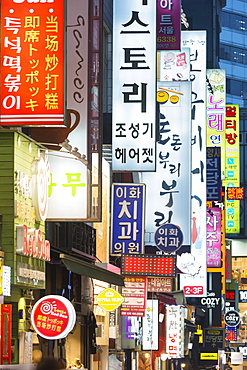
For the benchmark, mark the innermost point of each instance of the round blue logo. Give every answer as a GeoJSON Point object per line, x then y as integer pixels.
{"type": "Point", "coordinates": [168, 238]}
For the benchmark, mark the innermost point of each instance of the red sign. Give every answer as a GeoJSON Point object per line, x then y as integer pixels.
{"type": "Point", "coordinates": [235, 193]}
{"type": "Point", "coordinates": [193, 290]}
{"type": "Point", "coordinates": [148, 265]}
{"type": "Point", "coordinates": [32, 63]}
{"type": "Point", "coordinates": [135, 296]}
{"type": "Point", "coordinates": [29, 242]}
{"type": "Point", "coordinates": [53, 317]}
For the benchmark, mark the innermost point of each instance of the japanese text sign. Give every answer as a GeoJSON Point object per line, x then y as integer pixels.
{"type": "Point", "coordinates": [168, 190]}
{"type": "Point", "coordinates": [135, 296]}
{"type": "Point", "coordinates": [232, 164]}
{"type": "Point", "coordinates": [150, 325]}
{"type": "Point", "coordinates": [196, 41]}
{"type": "Point", "coordinates": [148, 265]}
{"type": "Point", "coordinates": [128, 201]}
{"type": "Point", "coordinates": [216, 108]}
{"type": "Point", "coordinates": [134, 85]}
{"type": "Point", "coordinates": [213, 237]}
{"type": "Point", "coordinates": [32, 76]}
{"type": "Point", "coordinates": [53, 317]}
{"type": "Point", "coordinates": [168, 24]}
{"type": "Point", "coordinates": [175, 331]}
{"type": "Point", "coordinates": [213, 173]}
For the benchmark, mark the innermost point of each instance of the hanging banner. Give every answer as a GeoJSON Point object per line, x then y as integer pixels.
{"type": "Point", "coordinates": [33, 63]}
{"type": "Point", "coordinates": [175, 331]}
{"type": "Point", "coordinates": [232, 167]}
{"type": "Point", "coordinates": [134, 85]}
{"type": "Point", "coordinates": [197, 284]}
{"type": "Point", "coordinates": [168, 189]}
{"type": "Point", "coordinates": [150, 325]}
{"type": "Point", "coordinates": [213, 174]}
{"type": "Point", "coordinates": [168, 24]}
{"type": "Point", "coordinates": [128, 210]}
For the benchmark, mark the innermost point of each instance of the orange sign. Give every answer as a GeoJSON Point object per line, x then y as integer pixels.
{"type": "Point", "coordinates": [32, 63]}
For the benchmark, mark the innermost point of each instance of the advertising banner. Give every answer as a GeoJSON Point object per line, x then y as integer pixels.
{"type": "Point", "coordinates": [197, 284]}
{"type": "Point", "coordinates": [175, 331]}
{"type": "Point", "coordinates": [168, 24]}
{"type": "Point", "coordinates": [150, 324]}
{"type": "Point", "coordinates": [174, 65]}
{"type": "Point", "coordinates": [168, 190]}
{"type": "Point", "coordinates": [134, 85]}
{"type": "Point", "coordinates": [33, 63]}
{"type": "Point", "coordinates": [135, 296]}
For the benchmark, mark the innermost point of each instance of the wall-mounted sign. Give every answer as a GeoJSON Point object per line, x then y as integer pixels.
{"type": "Point", "coordinates": [168, 238]}
{"type": "Point", "coordinates": [32, 74]}
{"type": "Point", "coordinates": [175, 331]}
{"type": "Point", "coordinates": [232, 318]}
{"type": "Point", "coordinates": [134, 84]}
{"type": "Point", "coordinates": [29, 242]}
{"type": "Point", "coordinates": [6, 281]}
{"type": "Point", "coordinates": [148, 265]}
{"type": "Point", "coordinates": [128, 210]}
{"type": "Point", "coordinates": [109, 299]}
{"type": "Point", "coordinates": [168, 24]}
{"type": "Point", "coordinates": [213, 173]}
{"type": "Point", "coordinates": [159, 284]}
{"type": "Point", "coordinates": [242, 296]}
{"type": "Point", "coordinates": [53, 317]}
{"type": "Point", "coordinates": [135, 296]}
{"type": "Point", "coordinates": [150, 325]}
{"type": "Point", "coordinates": [235, 193]}
{"type": "Point", "coordinates": [214, 337]}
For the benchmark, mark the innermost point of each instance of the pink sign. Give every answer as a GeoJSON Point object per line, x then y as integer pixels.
{"type": "Point", "coordinates": [213, 237]}
{"type": "Point", "coordinates": [168, 24]}
{"type": "Point", "coordinates": [135, 296]}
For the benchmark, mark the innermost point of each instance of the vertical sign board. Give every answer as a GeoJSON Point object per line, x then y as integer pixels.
{"type": "Point", "coordinates": [150, 324]}
{"type": "Point", "coordinates": [135, 296]}
{"type": "Point", "coordinates": [32, 60]}
{"type": "Point", "coordinates": [168, 24]}
{"type": "Point", "coordinates": [196, 40]}
{"type": "Point", "coordinates": [213, 173]}
{"type": "Point", "coordinates": [127, 218]}
{"type": "Point", "coordinates": [213, 237]}
{"type": "Point", "coordinates": [232, 171]}
{"type": "Point", "coordinates": [168, 189]}
{"type": "Point", "coordinates": [216, 107]}
{"type": "Point", "coordinates": [175, 331]}
{"type": "Point", "coordinates": [174, 65]}
{"type": "Point", "coordinates": [134, 85]}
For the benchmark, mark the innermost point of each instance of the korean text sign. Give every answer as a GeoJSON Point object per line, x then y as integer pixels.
{"type": "Point", "coordinates": [232, 172]}
{"type": "Point", "coordinates": [135, 296]}
{"type": "Point", "coordinates": [168, 24]}
{"type": "Point", "coordinates": [134, 85]}
{"type": "Point", "coordinates": [175, 331]}
{"type": "Point", "coordinates": [128, 201]}
{"type": "Point", "coordinates": [32, 60]}
{"type": "Point", "coordinates": [213, 173]}
{"type": "Point", "coordinates": [169, 188]}
{"type": "Point", "coordinates": [214, 237]}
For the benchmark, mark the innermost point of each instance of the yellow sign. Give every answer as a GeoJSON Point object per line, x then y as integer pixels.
{"type": "Point", "coordinates": [109, 299]}
{"type": "Point", "coordinates": [209, 356]}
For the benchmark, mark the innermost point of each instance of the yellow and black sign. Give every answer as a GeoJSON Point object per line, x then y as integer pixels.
{"type": "Point", "coordinates": [209, 356]}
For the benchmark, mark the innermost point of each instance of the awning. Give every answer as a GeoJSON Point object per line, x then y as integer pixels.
{"type": "Point", "coordinates": [81, 267]}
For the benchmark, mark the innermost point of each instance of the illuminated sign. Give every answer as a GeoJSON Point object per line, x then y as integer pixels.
{"type": "Point", "coordinates": [6, 281]}
{"type": "Point", "coordinates": [128, 205]}
{"type": "Point", "coordinates": [214, 237]}
{"type": "Point", "coordinates": [148, 265]}
{"type": "Point", "coordinates": [150, 325]}
{"type": "Point", "coordinates": [32, 74]}
{"type": "Point", "coordinates": [135, 296]}
{"type": "Point", "coordinates": [134, 84]}
{"type": "Point", "coordinates": [213, 173]}
{"type": "Point", "coordinates": [109, 299]}
{"type": "Point", "coordinates": [53, 317]}
{"type": "Point", "coordinates": [168, 24]}
{"type": "Point", "coordinates": [174, 65]}
{"type": "Point", "coordinates": [209, 356]}
{"type": "Point", "coordinates": [29, 242]}
{"type": "Point", "coordinates": [235, 193]}
{"type": "Point", "coordinates": [232, 318]}
{"type": "Point", "coordinates": [159, 284]}
{"type": "Point", "coordinates": [175, 331]}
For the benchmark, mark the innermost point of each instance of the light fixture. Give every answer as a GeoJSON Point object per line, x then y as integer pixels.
{"type": "Point", "coordinates": [164, 356]}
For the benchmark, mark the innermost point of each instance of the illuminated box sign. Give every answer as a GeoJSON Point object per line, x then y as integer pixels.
{"type": "Point", "coordinates": [150, 325]}
{"type": "Point", "coordinates": [168, 24]}
{"type": "Point", "coordinates": [32, 67]}
{"type": "Point", "coordinates": [230, 295]}
{"type": "Point", "coordinates": [159, 284]}
{"type": "Point", "coordinates": [175, 65]}
{"type": "Point", "coordinates": [235, 193]}
{"type": "Point", "coordinates": [213, 174]}
{"type": "Point", "coordinates": [148, 265]}
{"type": "Point", "coordinates": [214, 338]}
{"type": "Point", "coordinates": [128, 202]}
{"type": "Point", "coordinates": [242, 296]}
{"type": "Point", "coordinates": [214, 237]}
{"type": "Point", "coordinates": [175, 331]}
{"type": "Point", "coordinates": [134, 84]}
{"type": "Point", "coordinates": [135, 296]}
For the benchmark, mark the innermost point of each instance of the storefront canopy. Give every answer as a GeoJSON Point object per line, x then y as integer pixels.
{"type": "Point", "coordinates": [81, 267]}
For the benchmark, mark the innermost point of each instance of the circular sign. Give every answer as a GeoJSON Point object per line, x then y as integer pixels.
{"type": "Point", "coordinates": [168, 238]}
{"type": "Point", "coordinates": [109, 299]}
{"type": "Point", "coordinates": [40, 188]}
{"type": "Point", "coordinates": [232, 318]}
{"type": "Point", "coordinates": [53, 317]}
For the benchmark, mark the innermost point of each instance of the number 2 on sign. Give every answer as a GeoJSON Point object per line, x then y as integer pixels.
{"type": "Point", "coordinates": [193, 290]}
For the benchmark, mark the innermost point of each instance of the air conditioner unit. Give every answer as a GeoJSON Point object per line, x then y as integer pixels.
{"type": "Point", "coordinates": [114, 331]}
{"type": "Point", "coordinates": [100, 330]}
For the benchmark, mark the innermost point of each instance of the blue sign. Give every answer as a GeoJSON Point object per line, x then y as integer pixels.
{"type": "Point", "coordinates": [168, 238]}
{"type": "Point", "coordinates": [127, 228]}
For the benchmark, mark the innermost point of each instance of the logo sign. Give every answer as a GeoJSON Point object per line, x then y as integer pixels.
{"type": "Point", "coordinates": [127, 218]}
{"type": "Point", "coordinates": [175, 65]}
{"type": "Point", "coordinates": [242, 296]}
{"type": "Point", "coordinates": [168, 24]}
{"type": "Point", "coordinates": [32, 74]}
{"type": "Point", "coordinates": [168, 238]}
{"type": "Point", "coordinates": [134, 83]}
{"type": "Point", "coordinates": [29, 242]}
{"type": "Point", "coordinates": [235, 193]}
{"type": "Point", "coordinates": [109, 299]}
{"type": "Point", "coordinates": [53, 317]}
{"type": "Point", "coordinates": [232, 318]}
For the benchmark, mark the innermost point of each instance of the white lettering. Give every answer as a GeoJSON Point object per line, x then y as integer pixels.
{"type": "Point", "coordinates": [33, 1]}
{"type": "Point", "coordinates": [164, 3]}
{"type": "Point", "coordinates": [30, 243]}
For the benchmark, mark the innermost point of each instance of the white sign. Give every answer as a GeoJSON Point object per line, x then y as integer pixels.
{"type": "Point", "coordinates": [168, 189]}
{"type": "Point", "coordinates": [150, 325]}
{"type": "Point", "coordinates": [6, 281]}
{"type": "Point", "coordinates": [175, 65]}
{"type": "Point", "coordinates": [236, 358]}
{"type": "Point", "coordinates": [175, 331]}
{"type": "Point", "coordinates": [196, 285]}
{"type": "Point", "coordinates": [134, 85]}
